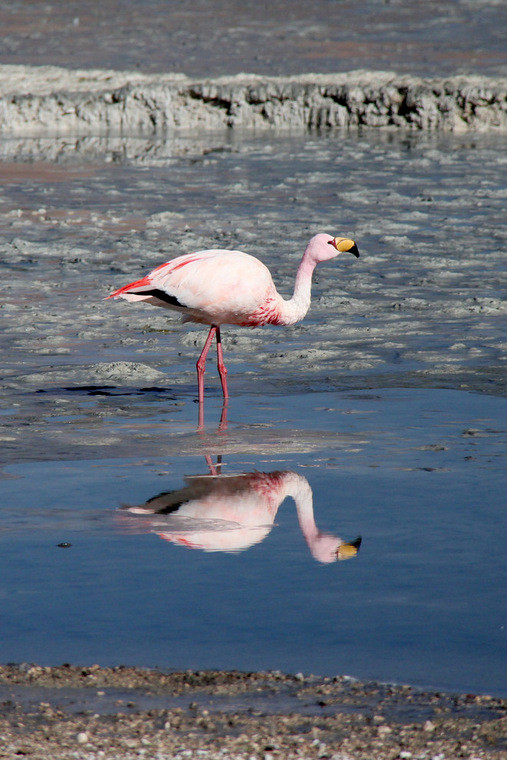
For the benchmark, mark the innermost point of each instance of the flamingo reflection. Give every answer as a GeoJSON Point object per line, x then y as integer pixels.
{"type": "Point", "coordinates": [230, 513]}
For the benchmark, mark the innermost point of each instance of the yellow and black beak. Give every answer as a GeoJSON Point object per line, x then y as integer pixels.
{"type": "Point", "coordinates": [347, 551]}
{"type": "Point", "coordinates": [345, 245]}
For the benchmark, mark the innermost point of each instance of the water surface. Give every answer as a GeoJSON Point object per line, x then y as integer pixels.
{"type": "Point", "coordinates": [416, 473]}
{"type": "Point", "coordinates": [387, 402]}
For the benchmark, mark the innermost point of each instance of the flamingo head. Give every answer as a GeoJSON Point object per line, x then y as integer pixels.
{"type": "Point", "coordinates": [323, 247]}
{"type": "Point", "coordinates": [344, 245]}
{"type": "Point", "coordinates": [347, 551]}
{"type": "Point", "coordinates": [326, 548]}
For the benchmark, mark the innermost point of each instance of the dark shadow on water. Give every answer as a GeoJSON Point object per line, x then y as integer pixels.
{"type": "Point", "coordinates": [111, 390]}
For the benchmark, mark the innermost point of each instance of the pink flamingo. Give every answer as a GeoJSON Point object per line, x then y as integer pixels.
{"type": "Point", "coordinates": [231, 513]}
{"type": "Point", "coordinates": [217, 287]}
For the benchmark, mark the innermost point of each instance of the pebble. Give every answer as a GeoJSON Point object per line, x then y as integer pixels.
{"type": "Point", "coordinates": [255, 737]}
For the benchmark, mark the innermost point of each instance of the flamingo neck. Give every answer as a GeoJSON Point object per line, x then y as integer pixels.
{"type": "Point", "coordinates": [297, 487]}
{"type": "Point", "coordinates": [323, 546]}
{"type": "Point", "coordinates": [295, 309]}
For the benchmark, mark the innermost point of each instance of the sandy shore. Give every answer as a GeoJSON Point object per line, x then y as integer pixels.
{"type": "Point", "coordinates": [93, 712]}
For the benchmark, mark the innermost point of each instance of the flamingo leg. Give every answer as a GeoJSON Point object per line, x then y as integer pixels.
{"type": "Point", "coordinates": [222, 369]}
{"type": "Point", "coordinates": [223, 418]}
{"type": "Point", "coordinates": [201, 365]}
{"type": "Point", "coordinates": [214, 469]}
{"type": "Point", "coordinates": [211, 466]}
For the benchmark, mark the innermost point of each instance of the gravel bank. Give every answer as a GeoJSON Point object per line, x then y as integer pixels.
{"type": "Point", "coordinates": [93, 712]}
{"type": "Point", "coordinates": [48, 99]}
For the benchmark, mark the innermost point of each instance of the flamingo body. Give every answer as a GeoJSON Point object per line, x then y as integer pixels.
{"type": "Point", "coordinates": [216, 287]}
{"type": "Point", "coordinates": [208, 287]}
{"type": "Point", "coordinates": [233, 512]}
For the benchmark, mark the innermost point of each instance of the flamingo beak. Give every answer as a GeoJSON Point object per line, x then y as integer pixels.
{"type": "Point", "coordinates": [347, 551]}
{"type": "Point", "coordinates": [345, 245]}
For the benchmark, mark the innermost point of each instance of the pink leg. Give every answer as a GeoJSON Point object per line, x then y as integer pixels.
{"type": "Point", "coordinates": [214, 469]}
{"type": "Point", "coordinates": [222, 369]}
{"type": "Point", "coordinates": [201, 364]}
{"type": "Point", "coordinates": [211, 466]}
{"type": "Point", "coordinates": [223, 417]}
{"type": "Point", "coordinates": [200, 418]}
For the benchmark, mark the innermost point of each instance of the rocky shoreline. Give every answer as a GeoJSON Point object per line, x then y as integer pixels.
{"type": "Point", "coordinates": [93, 712]}
{"type": "Point", "coordinates": [49, 99]}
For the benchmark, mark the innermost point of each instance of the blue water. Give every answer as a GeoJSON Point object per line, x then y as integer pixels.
{"type": "Point", "coordinates": [416, 473]}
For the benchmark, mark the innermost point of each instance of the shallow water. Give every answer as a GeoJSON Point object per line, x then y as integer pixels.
{"type": "Point", "coordinates": [387, 401]}
{"type": "Point", "coordinates": [416, 473]}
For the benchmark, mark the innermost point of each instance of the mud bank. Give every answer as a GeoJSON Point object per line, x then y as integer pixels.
{"type": "Point", "coordinates": [36, 100]}
{"type": "Point", "coordinates": [93, 712]}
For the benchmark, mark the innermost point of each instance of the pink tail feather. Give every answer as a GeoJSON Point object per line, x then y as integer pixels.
{"type": "Point", "coordinates": [145, 282]}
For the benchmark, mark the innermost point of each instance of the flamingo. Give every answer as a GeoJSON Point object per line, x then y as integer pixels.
{"type": "Point", "coordinates": [216, 287]}
{"type": "Point", "coordinates": [231, 513]}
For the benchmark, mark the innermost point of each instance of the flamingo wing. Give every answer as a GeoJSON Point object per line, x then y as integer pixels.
{"type": "Point", "coordinates": [212, 287]}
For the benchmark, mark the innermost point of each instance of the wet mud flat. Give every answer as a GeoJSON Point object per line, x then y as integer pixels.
{"type": "Point", "coordinates": [93, 712]}
{"type": "Point", "coordinates": [422, 307]}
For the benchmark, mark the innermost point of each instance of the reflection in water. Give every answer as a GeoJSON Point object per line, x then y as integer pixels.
{"type": "Point", "coordinates": [230, 513]}
{"type": "Point", "coordinates": [127, 149]}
